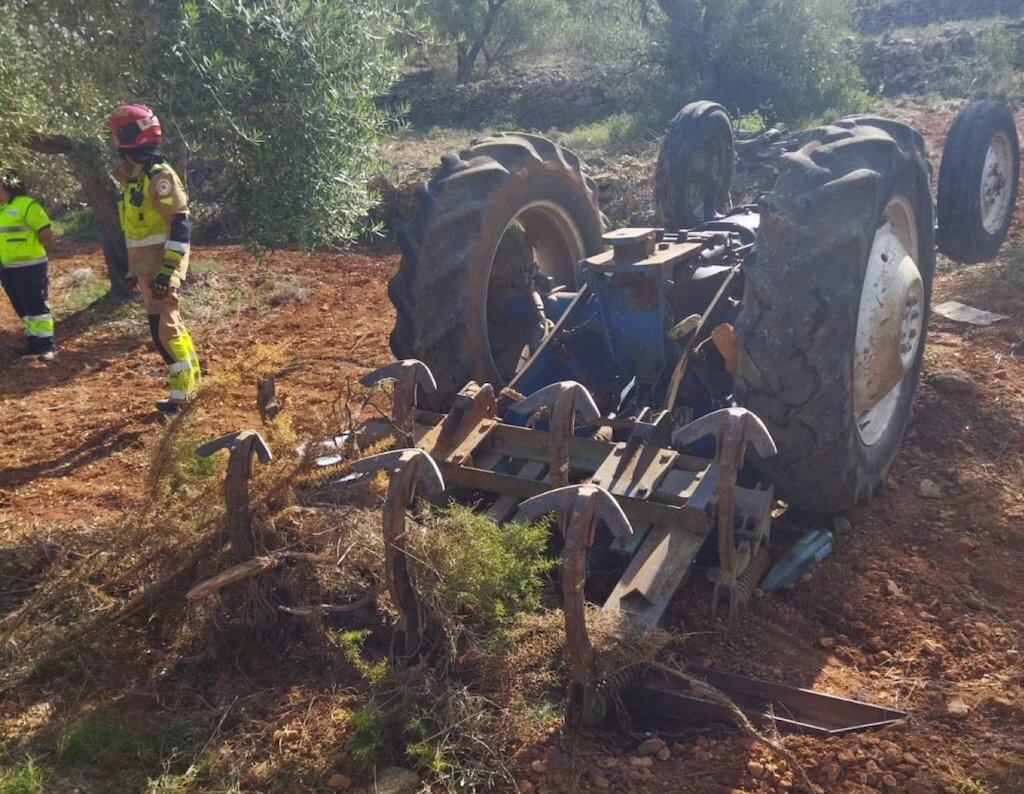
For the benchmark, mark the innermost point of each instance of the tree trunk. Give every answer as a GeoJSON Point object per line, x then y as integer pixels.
{"type": "Point", "coordinates": [467, 57]}
{"type": "Point", "coordinates": [692, 25]}
{"type": "Point", "coordinates": [86, 160]}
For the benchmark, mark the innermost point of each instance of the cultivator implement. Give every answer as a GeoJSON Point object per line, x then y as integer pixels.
{"type": "Point", "coordinates": [641, 499]}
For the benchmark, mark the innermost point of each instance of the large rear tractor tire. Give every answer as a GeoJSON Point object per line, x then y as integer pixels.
{"type": "Point", "coordinates": [695, 164]}
{"type": "Point", "coordinates": [835, 309]}
{"type": "Point", "coordinates": [978, 182]}
{"type": "Point", "coordinates": [506, 209]}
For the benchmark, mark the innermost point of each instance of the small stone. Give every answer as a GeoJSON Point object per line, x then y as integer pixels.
{"type": "Point", "coordinates": [339, 782]}
{"type": "Point", "coordinates": [600, 781]}
{"type": "Point", "coordinates": [889, 781]}
{"type": "Point", "coordinates": [663, 754]}
{"type": "Point", "coordinates": [396, 780]}
{"type": "Point", "coordinates": [827, 642]}
{"type": "Point", "coordinates": [953, 381]}
{"type": "Point", "coordinates": [930, 489]}
{"type": "Point", "coordinates": [846, 758]}
{"type": "Point", "coordinates": [651, 746]}
{"type": "Point", "coordinates": [526, 787]}
{"type": "Point", "coordinates": [755, 769]}
{"type": "Point", "coordinates": [842, 525]}
{"type": "Point", "coordinates": [608, 762]}
{"type": "Point", "coordinates": [957, 708]}
{"type": "Point", "coordinates": [893, 589]}
{"type": "Point", "coordinates": [540, 766]}
{"type": "Point", "coordinates": [641, 761]}
{"type": "Point", "coordinates": [965, 544]}
{"type": "Point", "coordinates": [678, 749]}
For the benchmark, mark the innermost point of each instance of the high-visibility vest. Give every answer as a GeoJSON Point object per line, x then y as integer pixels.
{"type": "Point", "coordinates": [141, 221]}
{"type": "Point", "coordinates": [19, 243]}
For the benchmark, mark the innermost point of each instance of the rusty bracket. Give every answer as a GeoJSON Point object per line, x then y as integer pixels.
{"type": "Point", "coordinates": [636, 467]}
{"type": "Point", "coordinates": [410, 470]}
{"type": "Point", "coordinates": [408, 375]}
{"type": "Point", "coordinates": [242, 446]}
{"type": "Point", "coordinates": [564, 403]}
{"type": "Point", "coordinates": [734, 429]}
{"type": "Point", "coordinates": [466, 426]}
{"type": "Point", "coordinates": [580, 509]}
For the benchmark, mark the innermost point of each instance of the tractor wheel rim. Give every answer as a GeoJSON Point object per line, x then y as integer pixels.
{"type": "Point", "coordinates": [557, 247]}
{"type": "Point", "coordinates": [996, 183]}
{"type": "Point", "coordinates": [890, 322]}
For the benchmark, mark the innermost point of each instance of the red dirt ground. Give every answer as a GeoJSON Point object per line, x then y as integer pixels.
{"type": "Point", "coordinates": [919, 606]}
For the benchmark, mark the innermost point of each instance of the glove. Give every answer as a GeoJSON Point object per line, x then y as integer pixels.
{"type": "Point", "coordinates": [132, 282]}
{"type": "Point", "coordinates": [162, 282]}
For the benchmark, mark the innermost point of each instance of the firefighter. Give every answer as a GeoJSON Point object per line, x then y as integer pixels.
{"type": "Point", "coordinates": [157, 231]}
{"type": "Point", "coordinates": [25, 234]}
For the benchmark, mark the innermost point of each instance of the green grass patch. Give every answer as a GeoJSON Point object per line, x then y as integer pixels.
{"type": "Point", "coordinates": [78, 223]}
{"type": "Point", "coordinates": [352, 642]}
{"type": "Point", "coordinates": [205, 267]}
{"type": "Point", "coordinates": [616, 134]}
{"type": "Point", "coordinates": [27, 777]}
{"type": "Point", "coordinates": [97, 740]}
{"type": "Point", "coordinates": [80, 289]}
{"type": "Point", "coordinates": [366, 745]}
{"type": "Point", "coordinates": [189, 468]}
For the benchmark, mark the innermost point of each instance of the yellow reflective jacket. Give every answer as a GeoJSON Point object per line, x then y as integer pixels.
{"type": "Point", "coordinates": [21, 220]}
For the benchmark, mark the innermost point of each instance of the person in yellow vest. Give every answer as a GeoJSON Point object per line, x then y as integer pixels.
{"type": "Point", "coordinates": [25, 234]}
{"type": "Point", "coordinates": [157, 231]}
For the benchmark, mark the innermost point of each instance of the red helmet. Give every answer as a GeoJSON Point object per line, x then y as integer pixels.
{"type": "Point", "coordinates": [133, 125]}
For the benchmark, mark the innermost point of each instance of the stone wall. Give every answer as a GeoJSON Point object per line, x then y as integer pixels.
{"type": "Point", "coordinates": [879, 16]}
{"type": "Point", "coordinates": [537, 98]}
{"type": "Point", "coordinates": [908, 65]}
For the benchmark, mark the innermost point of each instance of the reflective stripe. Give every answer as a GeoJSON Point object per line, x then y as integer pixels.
{"type": "Point", "coordinates": [21, 228]}
{"type": "Point", "coordinates": [177, 394]}
{"type": "Point", "coordinates": [25, 263]}
{"type": "Point", "coordinates": [141, 242]}
{"type": "Point", "coordinates": [39, 325]}
{"type": "Point", "coordinates": [179, 366]}
{"type": "Point", "coordinates": [174, 245]}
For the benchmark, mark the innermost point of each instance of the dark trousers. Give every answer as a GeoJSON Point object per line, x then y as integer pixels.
{"type": "Point", "coordinates": [27, 288]}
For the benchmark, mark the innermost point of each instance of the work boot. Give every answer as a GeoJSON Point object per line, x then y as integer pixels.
{"type": "Point", "coordinates": [28, 349]}
{"type": "Point", "coordinates": [168, 409]}
{"type": "Point", "coordinates": [48, 355]}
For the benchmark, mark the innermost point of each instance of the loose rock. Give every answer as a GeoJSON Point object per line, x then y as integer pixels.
{"type": "Point", "coordinates": [641, 761]}
{"type": "Point", "coordinates": [953, 381]}
{"type": "Point", "coordinates": [396, 780]}
{"type": "Point", "coordinates": [957, 708]}
{"type": "Point", "coordinates": [930, 489]}
{"type": "Point", "coordinates": [651, 746]}
{"type": "Point", "coordinates": [755, 769]}
{"type": "Point", "coordinates": [339, 782]}
{"type": "Point", "coordinates": [540, 766]}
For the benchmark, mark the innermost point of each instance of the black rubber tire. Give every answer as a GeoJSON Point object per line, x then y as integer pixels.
{"type": "Point", "coordinates": [450, 247]}
{"type": "Point", "coordinates": [697, 154]}
{"type": "Point", "coordinates": [962, 235]}
{"type": "Point", "coordinates": [802, 291]}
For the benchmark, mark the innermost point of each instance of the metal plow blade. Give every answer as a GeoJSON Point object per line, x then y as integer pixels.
{"type": "Point", "coordinates": [660, 703]}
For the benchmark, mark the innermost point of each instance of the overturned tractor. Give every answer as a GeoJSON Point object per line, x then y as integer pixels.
{"type": "Point", "coordinates": [659, 389]}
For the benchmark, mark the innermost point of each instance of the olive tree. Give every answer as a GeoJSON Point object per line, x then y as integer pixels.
{"type": "Point", "coordinates": [64, 63]}
{"type": "Point", "coordinates": [280, 94]}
